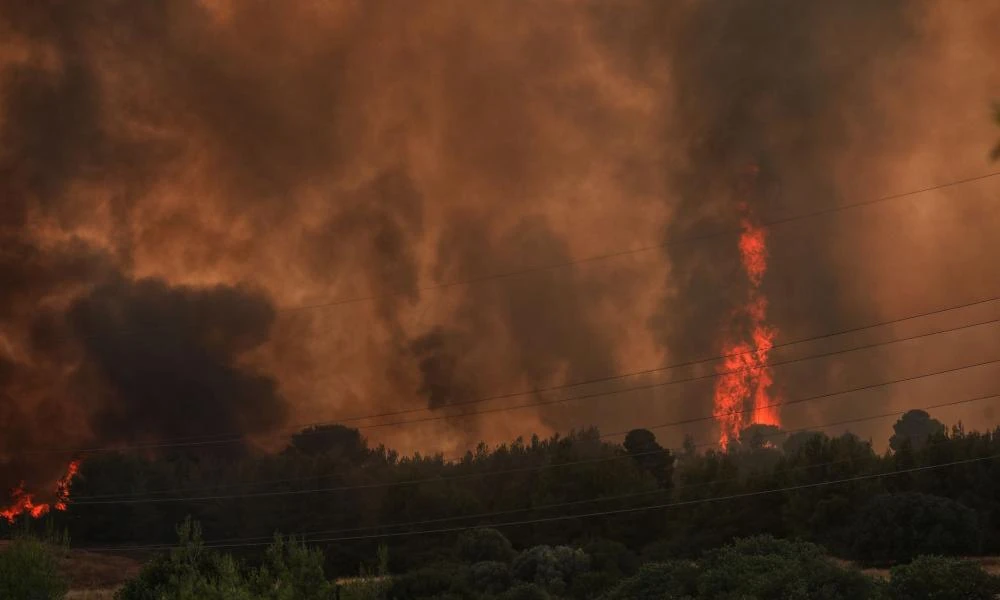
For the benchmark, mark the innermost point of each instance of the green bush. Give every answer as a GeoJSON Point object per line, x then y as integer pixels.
{"type": "Point", "coordinates": [439, 581]}
{"type": "Point", "coordinates": [28, 571]}
{"type": "Point", "coordinates": [525, 591]}
{"type": "Point", "coordinates": [898, 527]}
{"type": "Point", "coordinates": [671, 580]}
{"type": "Point", "coordinates": [938, 578]}
{"type": "Point", "coordinates": [490, 577]}
{"type": "Point", "coordinates": [552, 568]}
{"type": "Point", "coordinates": [484, 544]}
{"type": "Point", "coordinates": [611, 557]}
{"type": "Point", "coordinates": [291, 571]}
{"type": "Point", "coordinates": [192, 572]}
{"type": "Point", "coordinates": [765, 567]}
{"type": "Point", "coordinates": [189, 572]}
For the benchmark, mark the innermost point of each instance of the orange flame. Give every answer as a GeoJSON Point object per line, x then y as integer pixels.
{"type": "Point", "coordinates": [24, 503]}
{"type": "Point", "coordinates": [742, 392]}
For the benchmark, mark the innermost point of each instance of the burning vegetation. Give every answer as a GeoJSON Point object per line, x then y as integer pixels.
{"type": "Point", "coordinates": [743, 394]}
{"type": "Point", "coordinates": [23, 502]}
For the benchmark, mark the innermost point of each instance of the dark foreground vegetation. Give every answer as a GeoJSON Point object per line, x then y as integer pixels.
{"type": "Point", "coordinates": [483, 566]}
{"type": "Point", "coordinates": [566, 517]}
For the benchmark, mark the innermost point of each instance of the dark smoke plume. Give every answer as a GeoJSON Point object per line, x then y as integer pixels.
{"type": "Point", "coordinates": [773, 85]}
{"type": "Point", "coordinates": [169, 357]}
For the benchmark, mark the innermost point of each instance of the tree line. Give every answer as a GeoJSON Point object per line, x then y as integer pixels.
{"type": "Point", "coordinates": [329, 484]}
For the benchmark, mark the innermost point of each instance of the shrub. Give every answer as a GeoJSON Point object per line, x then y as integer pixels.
{"type": "Point", "coordinates": [291, 571]}
{"type": "Point", "coordinates": [188, 572]}
{"type": "Point", "coordinates": [552, 568]}
{"type": "Point", "coordinates": [28, 571]}
{"type": "Point", "coordinates": [898, 527]}
{"type": "Point", "coordinates": [611, 557]}
{"type": "Point", "coordinates": [490, 577]}
{"type": "Point", "coordinates": [484, 544]}
{"type": "Point", "coordinates": [658, 581]}
{"type": "Point", "coordinates": [441, 581]}
{"type": "Point", "coordinates": [938, 578]}
{"type": "Point", "coordinates": [525, 591]}
{"type": "Point", "coordinates": [765, 567]}
{"type": "Point", "coordinates": [192, 572]}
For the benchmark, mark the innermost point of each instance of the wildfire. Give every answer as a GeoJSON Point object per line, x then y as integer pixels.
{"type": "Point", "coordinates": [742, 392]}
{"type": "Point", "coordinates": [24, 504]}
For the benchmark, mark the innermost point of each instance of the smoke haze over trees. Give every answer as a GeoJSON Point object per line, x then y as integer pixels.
{"type": "Point", "coordinates": [227, 217]}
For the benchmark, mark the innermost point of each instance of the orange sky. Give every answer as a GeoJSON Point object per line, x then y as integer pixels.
{"type": "Point", "coordinates": [309, 152]}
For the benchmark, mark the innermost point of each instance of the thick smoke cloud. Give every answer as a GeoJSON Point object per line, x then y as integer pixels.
{"type": "Point", "coordinates": [770, 87]}
{"type": "Point", "coordinates": [289, 192]}
{"type": "Point", "coordinates": [169, 358]}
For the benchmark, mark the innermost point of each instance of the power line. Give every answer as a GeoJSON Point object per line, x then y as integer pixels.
{"type": "Point", "coordinates": [647, 248]}
{"type": "Point", "coordinates": [207, 440]}
{"type": "Point", "coordinates": [647, 492]}
{"type": "Point", "coordinates": [507, 471]}
{"type": "Point", "coordinates": [604, 513]}
{"type": "Point", "coordinates": [650, 371]}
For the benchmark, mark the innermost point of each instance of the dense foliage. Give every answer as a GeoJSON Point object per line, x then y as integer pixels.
{"type": "Point", "coordinates": [938, 578]}
{"type": "Point", "coordinates": [329, 482]}
{"type": "Point", "coordinates": [29, 571]}
{"type": "Point", "coordinates": [573, 515]}
{"type": "Point", "coordinates": [757, 568]}
{"type": "Point", "coordinates": [289, 571]}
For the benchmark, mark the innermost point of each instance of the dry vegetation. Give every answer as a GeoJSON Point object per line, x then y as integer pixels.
{"type": "Point", "coordinates": [94, 575]}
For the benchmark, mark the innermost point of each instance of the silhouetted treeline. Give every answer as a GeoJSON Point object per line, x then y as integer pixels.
{"type": "Point", "coordinates": [345, 489]}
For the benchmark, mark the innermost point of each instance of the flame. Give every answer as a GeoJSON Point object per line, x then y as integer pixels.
{"type": "Point", "coordinates": [742, 392]}
{"type": "Point", "coordinates": [23, 503]}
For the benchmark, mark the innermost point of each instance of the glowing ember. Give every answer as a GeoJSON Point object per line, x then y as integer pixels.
{"type": "Point", "coordinates": [742, 392]}
{"type": "Point", "coordinates": [23, 503]}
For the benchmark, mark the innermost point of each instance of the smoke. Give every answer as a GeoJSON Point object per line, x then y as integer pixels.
{"type": "Point", "coordinates": [169, 358]}
{"type": "Point", "coordinates": [774, 87]}
{"type": "Point", "coordinates": [234, 215]}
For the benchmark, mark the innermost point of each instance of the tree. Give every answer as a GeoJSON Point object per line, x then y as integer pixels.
{"type": "Point", "coordinates": [658, 581]}
{"type": "Point", "coordinates": [765, 567]}
{"type": "Point", "coordinates": [335, 440]}
{"type": "Point", "coordinates": [897, 527]}
{"type": "Point", "coordinates": [484, 544]}
{"type": "Point", "coordinates": [938, 578]}
{"type": "Point", "coordinates": [552, 568]}
{"type": "Point", "coordinates": [291, 571]}
{"type": "Point", "coordinates": [758, 436]}
{"type": "Point", "coordinates": [653, 458]}
{"type": "Point", "coordinates": [29, 571]}
{"type": "Point", "coordinates": [799, 440]}
{"type": "Point", "coordinates": [915, 427]}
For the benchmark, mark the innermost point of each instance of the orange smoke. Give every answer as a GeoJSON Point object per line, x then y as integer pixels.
{"type": "Point", "coordinates": [24, 503]}
{"type": "Point", "coordinates": [742, 392]}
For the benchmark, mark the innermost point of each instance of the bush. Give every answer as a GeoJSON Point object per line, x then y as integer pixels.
{"type": "Point", "coordinates": [28, 571]}
{"type": "Point", "coordinates": [441, 581]}
{"type": "Point", "coordinates": [611, 557]}
{"type": "Point", "coordinates": [898, 527]}
{"type": "Point", "coordinates": [658, 581]}
{"type": "Point", "coordinates": [552, 568]}
{"type": "Point", "coordinates": [291, 571]}
{"type": "Point", "coordinates": [938, 578]}
{"type": "Point", "coordinates": [191, 572]}
{"type": "Point", "coordinates": [490, 577]}
{"type": "Point", "coordinates": [765, 567]}
{"type": "Point", "coordinates": [525, 591]}
{"type": "Point", "coordinates": [483, 544]}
